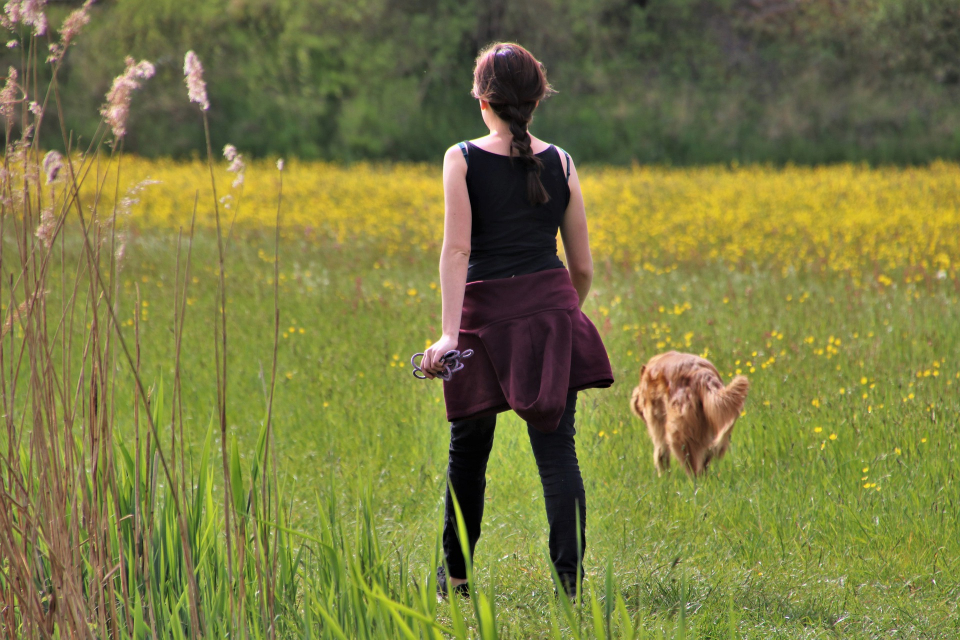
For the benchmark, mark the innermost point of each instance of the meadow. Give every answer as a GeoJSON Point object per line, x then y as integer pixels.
{"type": "Point", "coordinates": [834, 289]}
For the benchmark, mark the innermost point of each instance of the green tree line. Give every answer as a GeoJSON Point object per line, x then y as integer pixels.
{"type": "Point", "coordinates": [663, 81]}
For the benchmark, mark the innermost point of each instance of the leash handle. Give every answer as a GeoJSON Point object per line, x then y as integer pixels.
{"type": "Point", "coordinates": [451, 361]}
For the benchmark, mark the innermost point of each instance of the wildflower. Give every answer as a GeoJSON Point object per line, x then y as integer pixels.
{"type": "Point", "coordinates": [12, 44]}
{"type": "Point", "coordinates": [237, 165]}
{"type": "Point", "coordinates": [52, 163]}
{"type": "Point", "coordinates": [833, 436]}
{"type": "Point", "coordinates": [68, 30]}
{"type": "Point", "coordinates": [280, 164]}
{"type": "Point", "coordinates": [8, 95]}
{"type": "Point", "coordinates": [193, 74]}
{"type": "Point", "coordinates": [45, 230]}
{"type": "Point", "coordinates": [817, 429]}
{"type": "Point", "coordinates": [117, 108]}
{"type": "Point", "coordinates": [35, 109]}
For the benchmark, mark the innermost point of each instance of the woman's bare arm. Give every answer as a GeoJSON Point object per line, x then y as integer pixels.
{"type": "Point", "coordinates": [454, 256]}
{"type": "Point", "coordinates": [576, 242]}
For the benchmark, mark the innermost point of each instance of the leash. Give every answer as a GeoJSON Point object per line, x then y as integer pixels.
{"type": "Point", "coordinates": [451, 362]}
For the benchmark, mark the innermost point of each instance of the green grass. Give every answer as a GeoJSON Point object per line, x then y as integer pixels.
{"type": "Point", "coordinates": [780, 539]}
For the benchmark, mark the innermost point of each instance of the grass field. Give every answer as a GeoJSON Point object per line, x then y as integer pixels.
{"type": "Point", "coordinates": [836, 511]}
{"type": "Point", "coordinates": [834, 290]}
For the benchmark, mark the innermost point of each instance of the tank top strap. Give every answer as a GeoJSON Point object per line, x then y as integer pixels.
{"type": "Point", "coordinates": [567, 156]}
{"type": "Point", "coordinates": [463, 150]}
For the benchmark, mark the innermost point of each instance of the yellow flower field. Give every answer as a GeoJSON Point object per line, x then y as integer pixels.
{"type": "Point", "coordinates": [843, 218]}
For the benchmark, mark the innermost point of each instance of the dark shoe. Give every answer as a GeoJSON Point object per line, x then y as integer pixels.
{"type": "Point", "coordinates": [568, 582]}
{"type": "Point", "coordinates": [462, 590]}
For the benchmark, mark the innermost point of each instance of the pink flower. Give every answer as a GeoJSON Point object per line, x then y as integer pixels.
{"type": "Point", "coordinates": [117, 108]}
{"type": "Point", "coordinates": [48, 224]}
{"type": "Point", "coordinates": [29, 12]}
{"type": "Point", "coordinates": [280, 164]}
{"type": "Point", "coordinates": [52, 163]}
{"type": "Point", "coordinates": [237, 165]}
{"type": "Point", "coordinates": [68, 30]}
{"type": "Point", "coordinates": [8, 95]}
{"type": "Point", "coordinates": [193, 74]}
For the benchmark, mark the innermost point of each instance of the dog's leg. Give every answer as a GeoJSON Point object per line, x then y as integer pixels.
{"type": "Point", "coordinates": [661, 458]}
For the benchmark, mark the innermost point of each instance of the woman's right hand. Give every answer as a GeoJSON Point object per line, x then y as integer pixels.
{"type": "Point", "coordinates": [430, 365]}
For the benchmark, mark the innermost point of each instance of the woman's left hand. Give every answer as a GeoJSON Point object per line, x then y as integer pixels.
{"type": "Point", "coordinates": [430, 365]}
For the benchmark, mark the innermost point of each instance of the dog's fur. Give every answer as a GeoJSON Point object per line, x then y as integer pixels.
{"type": "Point", "coordinates": [687, 409]}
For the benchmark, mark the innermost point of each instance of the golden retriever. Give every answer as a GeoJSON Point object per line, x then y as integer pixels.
{"type": "Point", "coordinates": [688, 410]}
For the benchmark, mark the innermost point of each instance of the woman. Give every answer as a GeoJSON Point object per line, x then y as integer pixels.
{"type": "Point", "coordinates": [507, 296]}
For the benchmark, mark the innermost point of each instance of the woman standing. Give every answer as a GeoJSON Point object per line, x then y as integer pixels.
{"type": "Point", "coordinates": [507, 296]}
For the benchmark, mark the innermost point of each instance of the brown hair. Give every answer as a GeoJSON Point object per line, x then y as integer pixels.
{"type": "Point", "coordinates": [509, 78]}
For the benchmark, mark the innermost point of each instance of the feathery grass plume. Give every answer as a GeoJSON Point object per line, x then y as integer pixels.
{"type": "Point", "coordinates": [117, 107]}
{"type": "Point", "coordinates": [130, 199]}
{"type": "Point", "coordinates": [22, 310]}
{"type": "Point", "coordinates": [8, 95]}
{"type": "Point", "coordinates": [48, 224]}
{"type": "Point", "coordinates": [126, 205]}
{"type": "Point", "coordinates": [52, 163]}
{"type": "Point", "coordinates": [193, 75]}
{"type": "Point", "coordinates": [237, 165]}
{"type": "Point", "coordinates": [29, 12]}
{"type": "Point", "coordinates": [68, 30]}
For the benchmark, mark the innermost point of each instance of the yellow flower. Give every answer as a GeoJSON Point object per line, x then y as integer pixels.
{"type": "Point", "coordinates": [833, 436]}
{"type": "Point", "coordinates": [411, 292]}
{"type": "Point", "coordinates": [817, 429]}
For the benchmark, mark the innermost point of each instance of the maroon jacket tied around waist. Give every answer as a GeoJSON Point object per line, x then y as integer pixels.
{"type": "Point", "coordinates": [531, 344]}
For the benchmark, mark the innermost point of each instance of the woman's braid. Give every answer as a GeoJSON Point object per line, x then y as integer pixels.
{"type": "Point", "coordinates": [518, 117]}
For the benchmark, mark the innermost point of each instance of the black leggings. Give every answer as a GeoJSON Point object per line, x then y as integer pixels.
{"type": "Point", "coordinates": [556, 455]}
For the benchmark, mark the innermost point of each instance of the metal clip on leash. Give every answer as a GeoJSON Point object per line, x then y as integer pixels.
{"type": "Point", "coordinates": [451, 362]}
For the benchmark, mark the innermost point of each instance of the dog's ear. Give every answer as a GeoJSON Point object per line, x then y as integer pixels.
{"type": "Point", "coordinates": [635, 400]}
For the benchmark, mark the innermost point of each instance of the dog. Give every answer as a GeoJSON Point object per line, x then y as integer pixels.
{"type": "Point", "coordinates": [688, 410]}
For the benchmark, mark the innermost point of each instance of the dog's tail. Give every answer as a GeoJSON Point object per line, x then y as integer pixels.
{"type": "Point", "coordinates": [722, 405]}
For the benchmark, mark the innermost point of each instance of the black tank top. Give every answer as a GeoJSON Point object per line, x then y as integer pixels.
{"type": "Point", "coordinates": [509, 236]}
